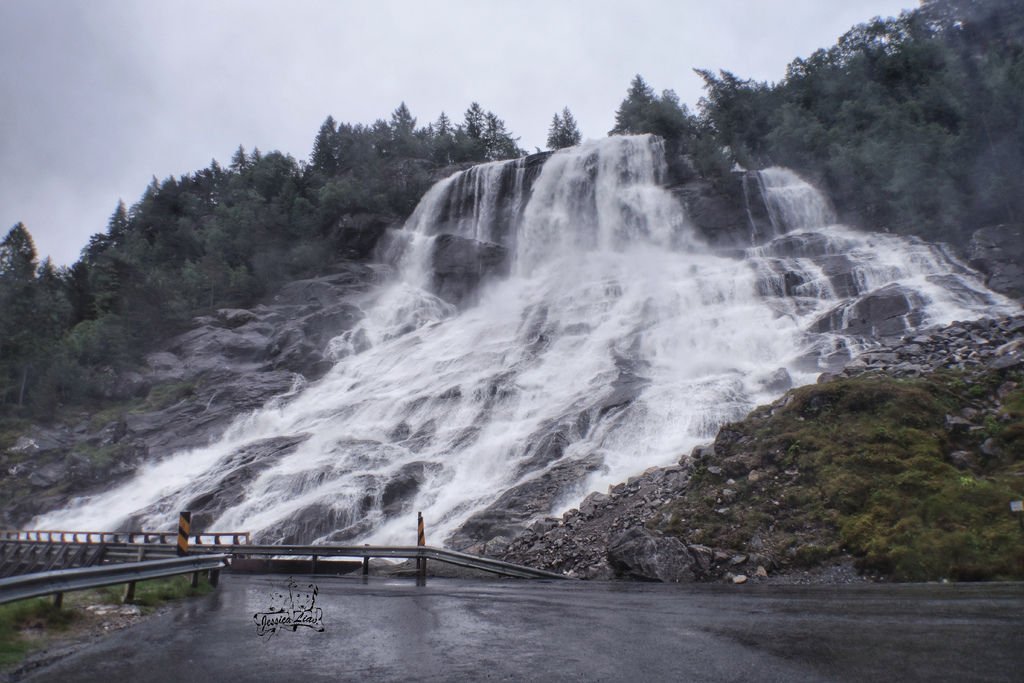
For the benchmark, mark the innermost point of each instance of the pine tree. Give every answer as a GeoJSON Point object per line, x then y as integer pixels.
{"type": "Point", "coordinates": [322, 158]}
{"type": "Point", "coordinates": [555, 132]}
{"type": "Point", "coordinates": [403, 132]}
{"type": "Point", "coordinates": [474, 121]}
{"type": "Point", "coordinates": [634, 111]}
{"type": "Point", "coordinates": [402, 121]}
{"type": "Point", "coordinates": [443, 126]}
{"type": "Point", "coordinates": [117, 226]}
{"type": "Point", "coordinates": [443, 140]}
{"type": "Point", "coordinates": [18, 311]}
{"type": "Point", "coordinates": [499, 144]}
{"type": "Point", "coordinates": [239, 160]}
{"type": "Point", "coordinates": [563, 132]}
{"type": "Point", "coordinates": [17, 256]}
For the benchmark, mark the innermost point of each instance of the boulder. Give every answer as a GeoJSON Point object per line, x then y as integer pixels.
{"type": "Point", "coordinates": [884, 312]}
{"type": "Point", "coordinates": [641, 554]}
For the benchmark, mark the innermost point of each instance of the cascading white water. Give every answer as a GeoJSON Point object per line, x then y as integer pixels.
{"type": "Point", "coordinates": [618, 330]}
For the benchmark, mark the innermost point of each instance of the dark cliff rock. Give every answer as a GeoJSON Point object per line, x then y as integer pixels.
{"type": "Point", "coordinates": [231, 362]}
{"type": "Point", "coordinates": [460, 265]}
{"type": "Point", "coordinates": [998, 252]}
{"type": "Point", "coordinates": [729, 212]}
{"type": "Point", "coordinates": [885, 312]}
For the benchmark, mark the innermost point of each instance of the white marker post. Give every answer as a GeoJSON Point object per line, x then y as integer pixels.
{"type": "Point", "coordinates": [1018, 507]}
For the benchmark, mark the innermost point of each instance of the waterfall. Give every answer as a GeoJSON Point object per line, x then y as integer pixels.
{"type": "Point", "coordinates": [617, 341]}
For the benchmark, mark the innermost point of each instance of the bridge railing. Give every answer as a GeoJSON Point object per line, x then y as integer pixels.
{"type": "Point", "coordinates": [416, 552]}
{"type": "Point", "coordinates": [125, 545]}
{"type": "Point", "coordinates": [131, 537]}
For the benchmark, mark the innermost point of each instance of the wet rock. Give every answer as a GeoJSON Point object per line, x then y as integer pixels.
{"type": "Point", "coordinates": [718, 211]}
{"type": "Point", "coordinates": [640, 554]}
{"type": "Point", "coordinates": [48, 475]}
{"type": "Point", "coordinates": [520, 504]}
{"type": "Point", "coordinates": [403, 486]}
{"type": "Point", "coordinates": [884, 312]}
{"type": "Point", "coordinates": [235, 317]}
{"type": "Point", "coordinates": [235, 473]}
{"type": "Point", "coordinates": [962, 460]}
{"type": "Point", "coordinates": [778, 382]}
{"type": "Point", "coordinates": [998, 252]}
{"type": "Point", "coordinates": [990, 448]}
{"type": "Point", "coordinates": [957, 425]}
{"type": "Point", "coordinates": [460, 265]}
{"type": "Point", "coordinates": [593, 502]}
{"type": "Point", "coordinates": [165, 366]}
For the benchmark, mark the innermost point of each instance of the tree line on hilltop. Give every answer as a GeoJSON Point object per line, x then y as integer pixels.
{"type": "Point", "coordinates": [914, 123]}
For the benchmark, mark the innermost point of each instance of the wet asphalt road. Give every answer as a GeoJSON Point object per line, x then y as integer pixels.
{"type": "Point", "coordinates": [472, 630]}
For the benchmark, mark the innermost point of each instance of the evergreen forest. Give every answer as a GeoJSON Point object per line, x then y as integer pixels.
{"type": "Point", "coordinates": [913, 124]}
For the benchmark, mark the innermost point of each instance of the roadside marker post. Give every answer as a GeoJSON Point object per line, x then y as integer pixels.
{"type": "Point", "coordinates": [184, 529]}
{"type": "Point", "coordinates": [1017, 506]}
{"type": "Point", "coordinates": [421, 540]}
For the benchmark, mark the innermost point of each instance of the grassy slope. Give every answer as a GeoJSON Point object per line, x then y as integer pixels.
{"type": "Point", "coordinates": [861, 466]}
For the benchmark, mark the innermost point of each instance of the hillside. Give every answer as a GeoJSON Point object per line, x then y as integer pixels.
{"type": "Point", "coordinates": [556, 318]}
{"type": "Point", "coordinates": [904, 463]}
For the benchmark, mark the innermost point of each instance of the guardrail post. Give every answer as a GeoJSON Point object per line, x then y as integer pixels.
{"type": "Point", "coordinates": [214, 577]}
{"type": "Point", "coordinates": [195, 580]}
{"type": "Point", "coordinates": [129, 593]}
{"type": "Point", "coordinates": [58, 600]}
{"type": "Point", "coordinates": [421, 540]}
{"type": "Point", "coordinates": [184, 527]}
{"type": "Point", "coordinates": [366, 560]}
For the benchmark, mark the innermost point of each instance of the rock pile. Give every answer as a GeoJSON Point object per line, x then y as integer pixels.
{"type": "Point", "coordinates": [996, 343]}
{"type": "Point", "coordinates": [577, 543]}
{"type": "Point", "coordinates": [608, 536]}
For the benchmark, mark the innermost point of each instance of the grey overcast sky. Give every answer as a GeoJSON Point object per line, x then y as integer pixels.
{"type": "Point", "coordinates": [99, 96]}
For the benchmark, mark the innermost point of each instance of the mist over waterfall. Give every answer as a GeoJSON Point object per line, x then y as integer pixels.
{"type": "Point", "coordinates": [555, 325]}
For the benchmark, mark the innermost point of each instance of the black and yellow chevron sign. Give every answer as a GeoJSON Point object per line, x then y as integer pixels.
{"type": "Point", "coordinates": [184, 529]}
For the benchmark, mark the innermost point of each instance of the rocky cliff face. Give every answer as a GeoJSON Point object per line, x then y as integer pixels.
{"type": "Point", "coordinates": [229, 363]}
{"type": "Point", "coordinates": [797, 265]}
{"type": "Point", "coordinates": [935, 414]}
{"type": "Point", "coordinates": [998, 252]}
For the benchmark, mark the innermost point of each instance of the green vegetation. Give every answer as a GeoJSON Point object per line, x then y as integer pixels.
{"type": "Point", "coordinates": [912, 123]}
{"type": "Point", "coordinates": [219, 237]}
{"type": "Point", "coordinates": [149, 594]}
{"type": "Point", "coordinates": [863, 465]}
{"type": "Point", "coordinates": [38, 613]}
{"type": "Point", "coordinates": [39, 616]}
{"type": "Point", "coordinates": [563, 131]}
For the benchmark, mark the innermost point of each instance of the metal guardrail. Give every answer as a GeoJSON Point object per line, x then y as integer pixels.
{"type": "Point", "coordinates": [65, 580]}
{"type": "Point", "coordinates": [397, 552]}
{"type": "Point", "coordinates": [119, 546]}
{"type": "Point", "coordinates": [159, 537]}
